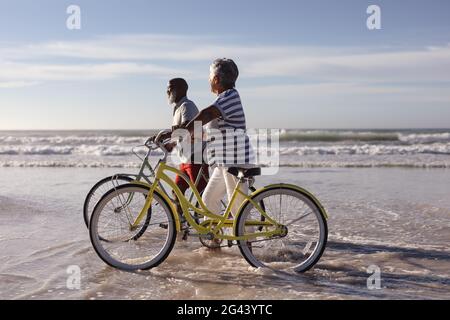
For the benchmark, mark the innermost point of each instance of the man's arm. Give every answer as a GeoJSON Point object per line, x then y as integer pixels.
{"type": "Point", "coordinates": [205, 116]}
{"type": "Point", "coordinates": [187, 113]}
{"type": "Point", "coordinates": [170, 145]}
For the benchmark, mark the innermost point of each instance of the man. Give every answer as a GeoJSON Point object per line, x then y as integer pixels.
{"type": "Point", "coordinates": [184, 110]}
{"type": "Point", "coordinates": [227, 110]}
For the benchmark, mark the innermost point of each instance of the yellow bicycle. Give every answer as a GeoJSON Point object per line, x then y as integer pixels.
{"type": "Point", "coordinates": [280, 226]}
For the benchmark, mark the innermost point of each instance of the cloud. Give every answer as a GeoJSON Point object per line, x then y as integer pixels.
{"type": "Point", "coordinates": [409, 66]}
{"type": "Point", "coordinates": [346, 92]}
{"type": "Point", "coordinates": [159, 55]}
{"type": "Point", "coordinates": [142, 47]}
{"type": "Point", "coordinates": [17, 84]}
{"type": "Point", "coordinates": [25, 72]}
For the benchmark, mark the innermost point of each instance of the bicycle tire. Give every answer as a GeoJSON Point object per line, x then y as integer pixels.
{"type": "Point", "coordinates": [96, 239]}
{"type": "Point", "coordinates": [247, 251]}
{"type": "Point", "coordinates": [87, 201]}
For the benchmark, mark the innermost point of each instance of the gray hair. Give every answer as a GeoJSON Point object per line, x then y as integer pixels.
{"type": "Point", "coordinates": [227, 72]}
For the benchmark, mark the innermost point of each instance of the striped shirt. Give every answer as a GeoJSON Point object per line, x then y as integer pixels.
{"type": "Point", "coordinates": [230, 145]}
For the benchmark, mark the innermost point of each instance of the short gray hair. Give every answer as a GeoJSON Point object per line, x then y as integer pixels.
{"type": "Point", "coordinates": [227, 72]}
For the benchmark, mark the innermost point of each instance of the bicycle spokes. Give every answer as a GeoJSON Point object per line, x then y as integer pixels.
{"type": "Point", "coordinates": [294, 242]}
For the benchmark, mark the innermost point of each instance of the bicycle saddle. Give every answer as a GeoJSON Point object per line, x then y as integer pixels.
{"type": "Point", "coordinates": [245, 173]}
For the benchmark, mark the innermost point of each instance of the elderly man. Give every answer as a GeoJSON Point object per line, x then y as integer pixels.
{"type": "Point", "coordinates": [228, 112]}
{"type": "Point", "coordinates": [184, 110]}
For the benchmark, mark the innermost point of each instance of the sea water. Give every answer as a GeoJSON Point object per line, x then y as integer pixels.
{"type": "Point", "coordinates": [389, 210]}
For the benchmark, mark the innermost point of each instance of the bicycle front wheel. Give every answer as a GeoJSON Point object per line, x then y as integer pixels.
{"type": "Point", "coordinates": [113, 237]}
{"type": "Point", "coordinates": [304, 241]}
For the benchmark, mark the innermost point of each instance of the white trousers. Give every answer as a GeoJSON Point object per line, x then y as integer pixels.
{"type": "Point", "coordinates": [222, 183]}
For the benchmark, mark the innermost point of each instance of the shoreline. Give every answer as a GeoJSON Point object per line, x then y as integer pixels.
{"type": "Point", "coordinates": [56, 165]}
{"type": "Point", "coordinates": [393, 218]}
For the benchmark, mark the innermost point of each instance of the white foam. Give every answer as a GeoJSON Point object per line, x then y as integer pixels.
{"type": "Point", "coordinates": [68, 164]}
{"type": "Point", "coordinates": [362, 149]}
{"type": "Point", "coordinates": [91, 150]}
{"type": "Point", "coordinates": [71, 140]}
{"type": "Point", "coordinates": [425, 138]}
{"type": "Point", "coordinates": [368, 149]}
{"type": "Point", "coordinates": [368, 136]}
{"type": "Point", "coordinates": [301, 164]}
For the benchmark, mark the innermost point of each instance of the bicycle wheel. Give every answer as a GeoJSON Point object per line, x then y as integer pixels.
{"type": "Point", "coordinates": [302, 245]}
{"type": "Point", "coordinates": [115, 241]}
{"type": "Point", "coordinates": [98, 190]}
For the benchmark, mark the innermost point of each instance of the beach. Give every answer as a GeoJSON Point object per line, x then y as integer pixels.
{"type": "Point", "coordinates": [392, 217]}
{"type": "Point", "coordinates": [396, 219]}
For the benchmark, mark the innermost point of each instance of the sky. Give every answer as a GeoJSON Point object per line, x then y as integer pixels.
{"type": "Point", "coordinates": [303, 64]}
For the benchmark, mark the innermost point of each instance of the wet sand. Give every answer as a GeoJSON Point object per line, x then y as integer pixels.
{"type": "Point", "coordinates": [396, 219]}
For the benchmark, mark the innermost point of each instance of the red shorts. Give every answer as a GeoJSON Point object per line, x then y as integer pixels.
{"type": "Point", "coordinates": [192, 170]}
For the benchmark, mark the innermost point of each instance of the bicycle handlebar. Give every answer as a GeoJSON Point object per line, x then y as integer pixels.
{"type": "Point", "coordinates": [156, 142]}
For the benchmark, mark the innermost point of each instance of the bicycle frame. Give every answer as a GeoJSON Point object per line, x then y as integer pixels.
{"type": "Point", "coordinates": [146, 165]}
{"type": "Point", "coordinates": [216, 222]}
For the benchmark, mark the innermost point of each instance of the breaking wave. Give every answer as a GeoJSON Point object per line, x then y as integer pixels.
{"type": "Point", "coordinates": [125, 150]}
{"type": "Point", "coordinates": [364, 136]}
{"type": "Point", "coordinates": [299, 148]}
{"type": "Point", "coordinates": [300, 164]}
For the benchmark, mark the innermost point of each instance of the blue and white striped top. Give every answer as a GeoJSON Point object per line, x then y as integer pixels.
{"type": "Point", "coordinates": [235, 149]}
{"type": "Point", "coordinates": [230, 106]}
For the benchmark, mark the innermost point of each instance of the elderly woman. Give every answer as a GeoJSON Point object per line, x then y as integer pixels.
{"type": "Point", "coordinates": [233, 148]}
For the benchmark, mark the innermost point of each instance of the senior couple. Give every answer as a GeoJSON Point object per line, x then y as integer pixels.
{"type": "Point", "coordinates": [225, 115]}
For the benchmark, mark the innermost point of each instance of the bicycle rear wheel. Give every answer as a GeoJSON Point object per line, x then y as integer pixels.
{"type": "Point", "coordinates": [114, 239]}
{"type": "Point", "coordinates": [306, 235]}
{"type": "Point", "coordinates": [98, 190]}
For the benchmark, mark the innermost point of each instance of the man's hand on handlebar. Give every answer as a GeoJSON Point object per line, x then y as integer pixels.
{"type": "Point", "coordinates": [161, 138]}
{"type": "Point", "coordinates": [170, 145]}
{"type": "Point", "coordinates": [150, 141]}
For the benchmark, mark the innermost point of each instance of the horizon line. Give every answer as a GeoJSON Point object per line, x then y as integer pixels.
{"type": "Point", "coordinates": [303, 128]}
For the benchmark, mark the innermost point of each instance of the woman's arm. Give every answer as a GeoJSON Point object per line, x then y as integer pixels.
{"type": "Point", "coordinates": [205, 116]}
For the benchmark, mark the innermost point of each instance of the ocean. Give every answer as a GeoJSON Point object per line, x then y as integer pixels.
{"type": "Point", "coordinates": [298, 148]}
{"type": "Point", "coordinates": [387, 193]}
